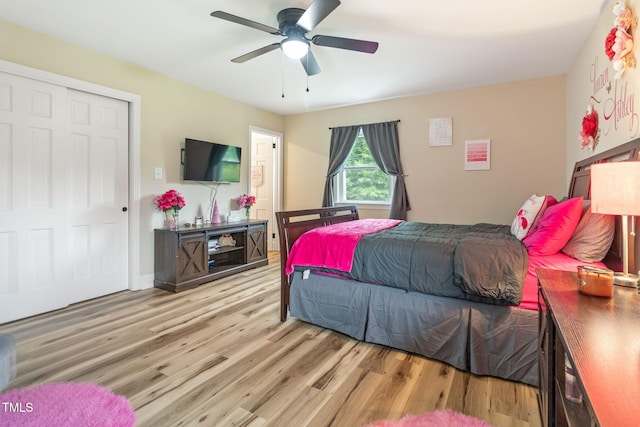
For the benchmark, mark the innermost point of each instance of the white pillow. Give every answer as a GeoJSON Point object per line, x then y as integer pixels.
{"type": "Point", "coordinates": [592, 237]}
{"type": "Point", "coordinates": [529, 214]}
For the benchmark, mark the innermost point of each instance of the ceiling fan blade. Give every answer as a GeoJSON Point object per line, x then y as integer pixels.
{"type": "Point", "coordinates": [257, 52]}
{"type": "Point", "coordinates": [310, 64]}
{"type": "Point", "coordinates": [343, 43]}
{"type": "Point", "coordinates": [246, 22]}
{"type": "Point", "coordinates": [315, 13]}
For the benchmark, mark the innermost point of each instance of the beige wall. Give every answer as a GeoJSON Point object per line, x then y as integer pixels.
{"type": "Point", "coordinates": [525, 122]}
{"type": "Point", "coordinates": [171, 110]}
{"type": "Point", "coordinates": [533, 127]}
{"type": "Point", "coordinates": [587, 82]}
{"type": "Point", "coordinates": [591, 80]}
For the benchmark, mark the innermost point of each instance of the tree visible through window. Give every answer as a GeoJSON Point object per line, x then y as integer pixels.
{"type": "Point", "coordinates": [361, 180]}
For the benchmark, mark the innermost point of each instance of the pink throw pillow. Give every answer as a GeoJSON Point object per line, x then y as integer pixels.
{"type": "Point", "coordinates": [529, 214]}
{"type": "Point", "coordinates": [555, 228]}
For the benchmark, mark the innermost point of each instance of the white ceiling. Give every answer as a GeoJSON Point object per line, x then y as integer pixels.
{"type": "Point", "coordinates": [426, 46]}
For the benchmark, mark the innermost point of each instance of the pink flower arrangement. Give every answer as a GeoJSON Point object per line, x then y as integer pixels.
{"type": "Point", "coordinates": [171, 200]}
{"type": "Point", "coordinates": [619, 42]}
{"type": "Point", "coordinates": [609, 42]}
{"type": "Point", "coordinates": [590, 130]}
{"type": "Point", "coordinates": [246, 201]}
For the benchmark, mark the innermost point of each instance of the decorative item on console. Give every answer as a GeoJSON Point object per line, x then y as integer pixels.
{"type": "Point", "coordinates": [619, 43]}
{"type": "Point", "coordinates": [595, 281]}
{"type": "Point", "coordinates": [590, 129]}
{"type": "Point", "coordinates": [235, 216]}
{"type": "Point", "coordinates": [246, 201]}
{"type": "Point", "coordinates": [170, 203]}
{"type": "Point", "coordinates": [215, 216]}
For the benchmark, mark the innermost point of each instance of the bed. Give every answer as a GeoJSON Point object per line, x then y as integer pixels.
{"type": "Point", "coordinates": [480, 329]}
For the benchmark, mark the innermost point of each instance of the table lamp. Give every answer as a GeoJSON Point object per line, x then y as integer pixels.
{"type": "Point", "coordinates": [614, 191]}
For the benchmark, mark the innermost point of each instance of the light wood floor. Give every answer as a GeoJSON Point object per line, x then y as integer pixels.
{"type": "Point", "coordinates": [218, 355]}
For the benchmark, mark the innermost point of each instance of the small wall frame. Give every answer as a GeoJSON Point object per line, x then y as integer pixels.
{"type": "Point", "coordinates": [477, 155]}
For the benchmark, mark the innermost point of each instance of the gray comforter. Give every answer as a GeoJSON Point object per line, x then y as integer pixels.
{"type": "Point", "coordinates": [481, 262]}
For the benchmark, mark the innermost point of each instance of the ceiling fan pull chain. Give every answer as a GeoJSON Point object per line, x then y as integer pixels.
{"type": "Point", "coordinates": [283, 74]}
{"type": "Point", "coordinates": [307, 69]}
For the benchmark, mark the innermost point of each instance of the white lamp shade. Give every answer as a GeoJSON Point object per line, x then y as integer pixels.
{"type": "Point", "coordinates": [294, 48]}
{"type": "Point", "coordinates": [614, 188]}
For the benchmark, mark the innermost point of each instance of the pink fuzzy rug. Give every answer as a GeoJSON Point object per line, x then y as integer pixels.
{"type": "Point", "coordinates": [443, 418]}
{"type": "Point", "coordinates": [65, 405]}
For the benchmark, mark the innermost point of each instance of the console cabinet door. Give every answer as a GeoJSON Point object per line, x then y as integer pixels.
{"type": "Point", "coordinates": [192, 258]}
{"type": "Point", "coordinates": [257, 243]}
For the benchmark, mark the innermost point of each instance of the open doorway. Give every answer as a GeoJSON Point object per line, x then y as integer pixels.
{"type": "Point", "coordinates": [266, 179]}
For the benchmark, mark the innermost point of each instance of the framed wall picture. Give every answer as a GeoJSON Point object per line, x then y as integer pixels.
{"type": "Point", "coordinates": [477, 155]}
{"type": "Point", "coordinates": [440, 132]}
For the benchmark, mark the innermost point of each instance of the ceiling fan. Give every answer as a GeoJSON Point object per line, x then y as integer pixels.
{"type": "Point", "coordinates": [293, 25]}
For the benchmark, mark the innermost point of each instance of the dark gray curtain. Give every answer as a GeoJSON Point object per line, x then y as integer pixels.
{"type": "Point", "coordinates": [382, 140]}
{"type": "Point", "coordinates": [342, 140]}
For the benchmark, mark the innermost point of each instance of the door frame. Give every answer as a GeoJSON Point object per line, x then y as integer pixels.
{"type": "Point", "coordinates": [278, 176]}
{"type": "Point", "coordinates": [134, 101]}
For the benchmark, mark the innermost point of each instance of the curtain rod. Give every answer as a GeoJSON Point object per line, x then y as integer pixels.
{"type": "Point", "coordinates": [365, 124]}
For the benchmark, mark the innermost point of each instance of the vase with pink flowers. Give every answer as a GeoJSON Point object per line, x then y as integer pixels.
{"type": "Point", "coordinates": [170, 203]}
{"type": "Point", "coordinates": [246, 201]}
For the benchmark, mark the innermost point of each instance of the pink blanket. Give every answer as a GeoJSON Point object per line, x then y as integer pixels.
{"type": "Point", "coordinates": [333, 246]}
{"type": "Point", "coordinates": [557, 261]}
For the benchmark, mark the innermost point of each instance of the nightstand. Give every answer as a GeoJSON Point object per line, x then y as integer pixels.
{"type": "Point", "coordinates": [600, 340]}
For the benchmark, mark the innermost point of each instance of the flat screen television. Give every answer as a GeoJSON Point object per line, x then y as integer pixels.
{"type": "Point", "coordinates": [210, 162]}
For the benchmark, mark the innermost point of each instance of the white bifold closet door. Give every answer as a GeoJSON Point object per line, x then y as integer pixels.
{"type": "Point", "coordinates": [63, 196]}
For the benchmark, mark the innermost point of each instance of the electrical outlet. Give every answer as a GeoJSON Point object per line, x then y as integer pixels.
{"type": "Point", "coordinates": [158, 173]}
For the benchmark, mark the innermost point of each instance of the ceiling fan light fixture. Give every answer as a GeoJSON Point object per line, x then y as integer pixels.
{"type": "Point", "coordinates": [295, 47]}
{"type": "Point", "coordinates": [293, 26]}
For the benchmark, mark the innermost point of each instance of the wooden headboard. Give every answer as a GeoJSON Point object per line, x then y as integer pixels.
{"type": "Point", "coordinates": [580, 185]}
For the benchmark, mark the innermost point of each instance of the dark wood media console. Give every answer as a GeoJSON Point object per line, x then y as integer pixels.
{"type": "Point", "coordinates": [190, 256]}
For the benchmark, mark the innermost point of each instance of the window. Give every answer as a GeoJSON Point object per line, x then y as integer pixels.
{"type": "Point", "coordinates": [361, 180]}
